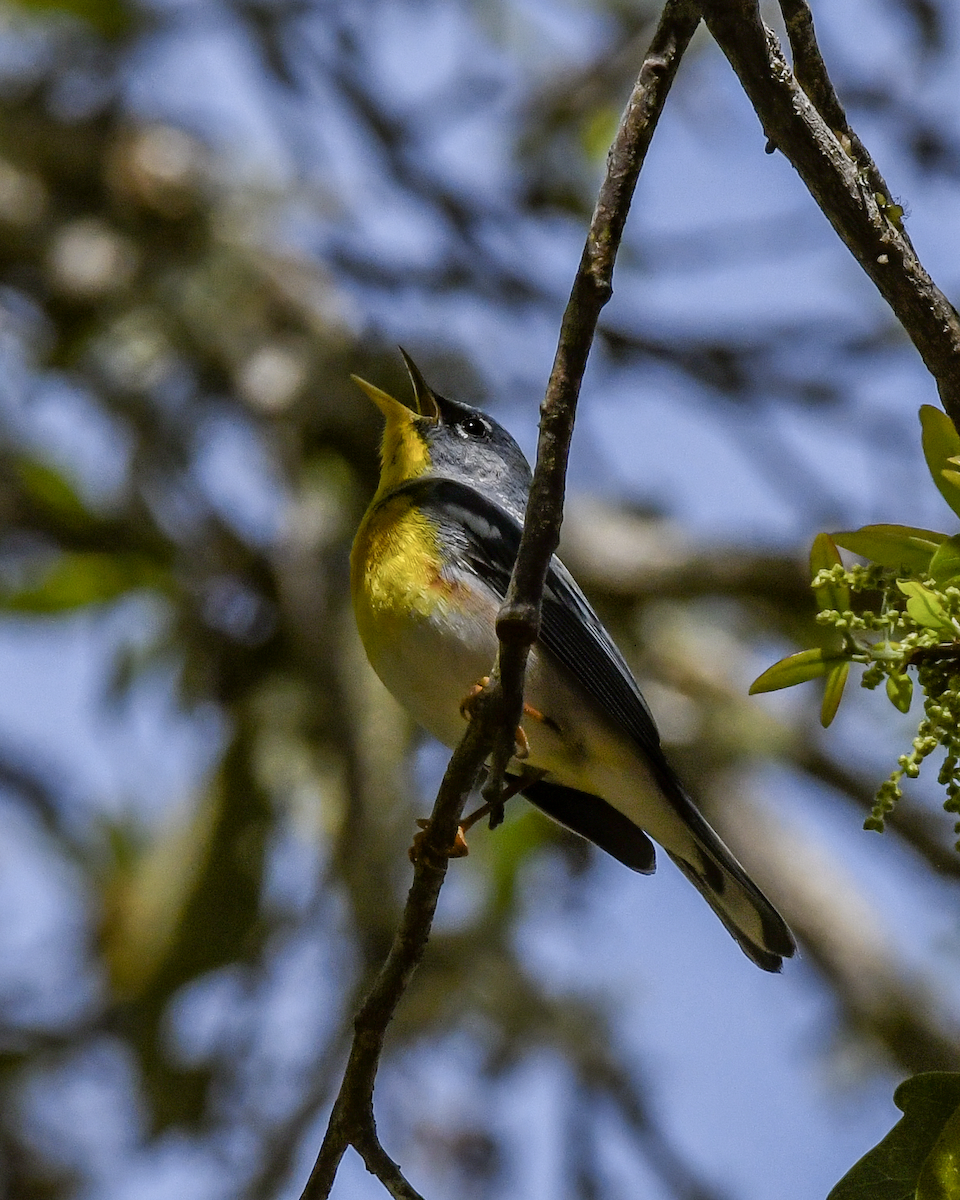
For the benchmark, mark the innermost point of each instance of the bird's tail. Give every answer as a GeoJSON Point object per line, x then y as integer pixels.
{"type": "Point", "coordinates": [749, 916]}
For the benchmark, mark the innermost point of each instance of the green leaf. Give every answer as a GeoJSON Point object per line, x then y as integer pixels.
{"type": "Point", "coordinates": [111, 18]}
{"type": "Point", "coordinates": [945, 564]}
{"type": "Point", "coordinates": [941, 444]}
{"type": "Point", "coordinates": [833, 692]}
{"type": "Point", "coordinates": [898, 546]}
{"type": "Point", "coordinates": [796, 668]}
{"type": "Point", "coordinates": [940, 1176]}
{"type": "Point", "coordinates": [80, 579]}
{"type": "Point", "coordinates": [919, 1152]}
{"type": "Point", "coordinates": [50, 491]}
{"type": "Point", "coordinates": [824, 555]}
{"type": "Point", "coordinates": [925, 608]}
{"type": "Point", "coordinates": [900, 691]}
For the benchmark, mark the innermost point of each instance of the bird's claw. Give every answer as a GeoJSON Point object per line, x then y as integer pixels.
{"type": "Point", "coordinates": [492, 808]}
{"type": "Point", "coordinates": [466, 705]}
{"type": "Point", "coordinates": [459, 849]}
{"type": "Point", "coordinates": [522, 745]}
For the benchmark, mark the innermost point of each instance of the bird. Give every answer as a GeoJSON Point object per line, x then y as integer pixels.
{"type": "Point", "coordinates": [430, 565]}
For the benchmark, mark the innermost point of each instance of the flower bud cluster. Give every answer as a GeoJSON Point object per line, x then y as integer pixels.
{"type": "Point", "coordinates": [890, 656]}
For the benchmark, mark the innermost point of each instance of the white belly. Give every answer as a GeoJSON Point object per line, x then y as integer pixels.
{"type": "Point", "coordinates": [432, 667]}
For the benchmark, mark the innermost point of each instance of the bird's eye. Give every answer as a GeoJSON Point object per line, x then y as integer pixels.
{"type": "Point", "coordinates": [474, 427]}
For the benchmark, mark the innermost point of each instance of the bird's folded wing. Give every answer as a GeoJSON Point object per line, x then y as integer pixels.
{"type": "Point", "coordinates": [485, 539]}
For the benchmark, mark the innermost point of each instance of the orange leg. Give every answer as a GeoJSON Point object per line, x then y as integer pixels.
{"type": "Point", "coordinates": [523, 745]}
{"type": "Point", "coordinates": [466, 704]}
{"type": "Point", "coordinates": [460, 849]}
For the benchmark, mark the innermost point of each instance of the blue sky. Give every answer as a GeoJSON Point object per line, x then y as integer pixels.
{"type": "Point", "coordinates": [749, 1071]}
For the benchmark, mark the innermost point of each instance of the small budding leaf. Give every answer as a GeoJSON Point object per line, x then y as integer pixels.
{"type": "Point", "coordinates": [945, 564]}
{"type": "Point", "coordinates": [796, 668]}
{"type": "Point", "coordinates": [898, 546]}
{"type": "Point", "coordinates": [833, 692]}
{"type": "Point", "coordinates": [900, 691]}
{"type": "Point", "coordinates": [924, 607]}
{"type": "Point", "coordinates": [941, 443]}
{"type": "Point", "coordinates": [824, 555]}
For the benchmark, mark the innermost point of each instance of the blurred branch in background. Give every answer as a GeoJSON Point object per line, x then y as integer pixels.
{"type": "Point", "coordinates": [182, 466]}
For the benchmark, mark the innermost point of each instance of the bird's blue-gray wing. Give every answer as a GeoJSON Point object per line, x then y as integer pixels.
{"type": "Point", "coordinates": [484, 538]}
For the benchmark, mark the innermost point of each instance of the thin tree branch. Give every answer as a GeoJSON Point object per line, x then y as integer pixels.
{"type": "Point", "coordinates": [811, 73]}
{"type": "Point", "coordinates": [601, 1075]}
{"type": "Point", "coordinates": [519, 620]}
{"type": "Point", "coordinates": [379, 1163]}
{"type": "Point", "coordinates": [808, 64]}
{"type": "Point", "coordinates": [352, 1121]}
{"type": "Point", "coordinates": [631, 558]}
{"type": "Point", "coordinates": [498, 709]}
{"type": "Point", "coordinates": [925, 832]}
{"type": "Point", "coordinates": [840, 175]}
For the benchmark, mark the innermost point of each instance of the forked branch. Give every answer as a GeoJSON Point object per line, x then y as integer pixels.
{"type": "Point", "coordinates": [803, 118]}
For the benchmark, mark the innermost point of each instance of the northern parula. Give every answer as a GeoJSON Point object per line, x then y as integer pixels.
{"type": "Point", "coordinates": [429, 569]}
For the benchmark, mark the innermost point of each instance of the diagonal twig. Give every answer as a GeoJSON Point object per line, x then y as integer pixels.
{"type": "Point", "coordinates": [497, 710]}
{"type": "Point", "coordinates": [519, 619]}
{"type": "Point", "coordinates": [811, 73]}
{"type": "Point", "coordinates": [352, 1121]}
{"type": "Point", "coordinates": [839, 173]}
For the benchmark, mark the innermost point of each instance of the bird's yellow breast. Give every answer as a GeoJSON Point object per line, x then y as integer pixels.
{"type": "Point", "coordinates": [395, 569]}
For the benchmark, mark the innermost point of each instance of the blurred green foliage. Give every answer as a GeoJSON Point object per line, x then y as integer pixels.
{"type": "Point", "coordinates": [158, 286]}
{"type": "Point", "coordinates": [110, 18]}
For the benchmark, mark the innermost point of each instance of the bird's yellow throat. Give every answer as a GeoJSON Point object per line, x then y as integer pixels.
{"type": "Point", "coordinates": [404, 453]}
{"type": "Point", "coordinates": [395, 564]}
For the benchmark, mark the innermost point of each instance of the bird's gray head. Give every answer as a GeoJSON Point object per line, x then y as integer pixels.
{"type": "Point", "coordinates": [461, 443]}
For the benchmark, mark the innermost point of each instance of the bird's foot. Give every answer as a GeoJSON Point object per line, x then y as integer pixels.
{"type": "Point", "coordinates": [466, 705]}
{"type": "Point", "coordinates": [522, 745]}
{"type": "Point", "coordinates": [492, 808]}
{"type": "Point", "coordinates": [459, 849]}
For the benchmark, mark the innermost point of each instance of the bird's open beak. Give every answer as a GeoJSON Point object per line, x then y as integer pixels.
{"type": "Point", "coordinates": [426, 401]}
{"type": "Point", "coordinates": [424, 405]}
